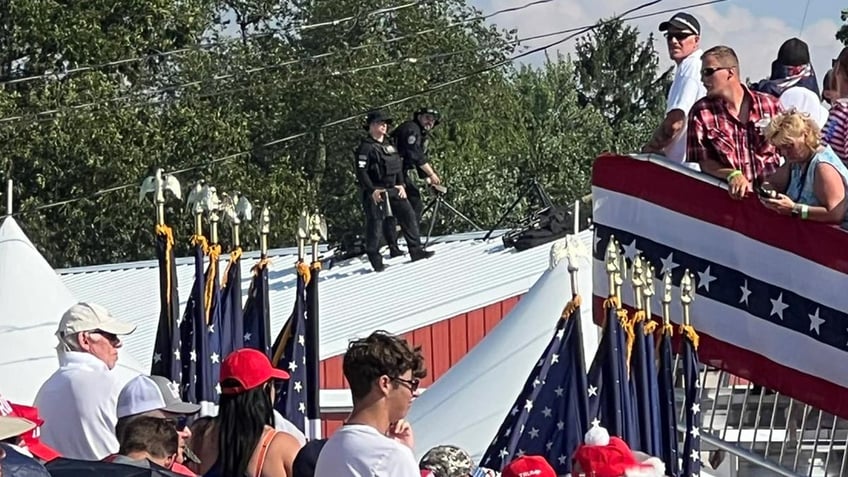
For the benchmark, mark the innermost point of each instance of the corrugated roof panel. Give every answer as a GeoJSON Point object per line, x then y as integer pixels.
{"type": "Point", "coordinates": [466, 273]}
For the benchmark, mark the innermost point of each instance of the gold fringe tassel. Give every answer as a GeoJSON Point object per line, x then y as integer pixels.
{"type": "Point", "coordinates": [165, 231]}
{"type": "Point", "coordinates": [211, 280]}
{"type": "Point", "coordinates": [571, 307]}
{"type": "Point", "coordinates": [304, 271]}
{"type": "Point", "coordinates": [235, 256]}
{"type": "Point", "coordinates": [690, 333]}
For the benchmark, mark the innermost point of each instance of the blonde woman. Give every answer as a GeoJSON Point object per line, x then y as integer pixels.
{"type": "Point", "coordinates": [813, 181]}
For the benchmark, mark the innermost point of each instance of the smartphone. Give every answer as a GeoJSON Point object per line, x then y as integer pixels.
{"type": "Point", "coordinates": [766, 193]}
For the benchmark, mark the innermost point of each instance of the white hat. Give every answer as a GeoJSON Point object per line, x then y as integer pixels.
{"type": "Point", "coordinates": [89, 317]}
{"type": "Point", "coordinates": [152, 393]}
{"type": "Point", "coordinates": [14, 426]}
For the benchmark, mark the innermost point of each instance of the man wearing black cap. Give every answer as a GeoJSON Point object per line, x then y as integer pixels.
{"type": "Point", "coordinates": [683, 38]}
{"type": "Point", "coordinates": [379, 172]}
{"type": "Point", "coordinates": [412, 138]}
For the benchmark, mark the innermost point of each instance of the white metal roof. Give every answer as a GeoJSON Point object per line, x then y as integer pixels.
{"type": "Point", "coordinates": [466, 273]}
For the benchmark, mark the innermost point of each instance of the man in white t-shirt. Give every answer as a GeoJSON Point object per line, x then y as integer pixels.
{"type": "Point", "coordinates": [683, 38]}
{"type": "Point", "coordinates": [383, 372]}
{"type": "Point", "coordinates": [79, 401]}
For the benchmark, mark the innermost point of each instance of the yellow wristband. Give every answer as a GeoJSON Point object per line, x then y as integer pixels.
{"type": "Point", "coordinates": [733, 174]}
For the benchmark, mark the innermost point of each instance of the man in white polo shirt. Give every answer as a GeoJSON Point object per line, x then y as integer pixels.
{"type": "Point", "coordinates": [78, 402]}
{"type": "Point", "coordinates": [683, 38]}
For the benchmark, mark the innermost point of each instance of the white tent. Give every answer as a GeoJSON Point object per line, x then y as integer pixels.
{"type": "Point", "coordinates": [467, 405]}
{"type": "Point", "coordinates": [32, 300]}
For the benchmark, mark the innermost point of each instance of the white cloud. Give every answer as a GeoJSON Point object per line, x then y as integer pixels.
{"type": "Point", "coordinates": [755, 39]}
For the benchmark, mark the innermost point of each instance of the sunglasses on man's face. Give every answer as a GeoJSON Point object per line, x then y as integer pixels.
{"type": "Point", "coordinates": [411, 384]}
{"type": "Point", "coordinates": [706, 72]}
{"type": "Point", "coordinates": [113, 338]}
{"type": "Point", "coordinates": [677, 35]}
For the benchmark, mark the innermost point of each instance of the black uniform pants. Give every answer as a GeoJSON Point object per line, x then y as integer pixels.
{"type": "Point", "coordinates": [413, 196]}
{"type": "Point", "coordinates": [403, 213]}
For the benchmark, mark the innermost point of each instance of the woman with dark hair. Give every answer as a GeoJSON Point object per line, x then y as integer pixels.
{"type": "Point", "coordinates": [241, 441]}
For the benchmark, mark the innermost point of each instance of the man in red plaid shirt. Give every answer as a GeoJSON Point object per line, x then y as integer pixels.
{"type": "Point", "coordinates": [724, 131]}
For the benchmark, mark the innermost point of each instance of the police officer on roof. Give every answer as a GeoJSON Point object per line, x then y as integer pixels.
{"type": "Point", "coordinates": [379, 172]}
{"type": "Point", "coordinates": [412, 140]}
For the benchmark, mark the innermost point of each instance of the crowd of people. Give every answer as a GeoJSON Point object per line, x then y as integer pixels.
{"type": "Point", "coordinates": [782, 138]}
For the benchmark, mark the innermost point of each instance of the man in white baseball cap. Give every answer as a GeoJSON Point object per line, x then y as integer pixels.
{"type": "Point", "coordinates": [156, 396]}
{"type": "Point", "coordinates": [79, 400]}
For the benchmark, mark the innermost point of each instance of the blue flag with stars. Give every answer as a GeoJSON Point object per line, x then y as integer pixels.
{"type": "Point", "coordinates": [290, 355]}
{"type": "Point", "coordinates": [232, 324]}
{"type": "Point", "coordinates": [692, 404]}
{"type": "Point", "coordinates": [166, 350]}
{"type": "Point", "coordinates": [257, 312]}
{"type": "Point", "coordinates": [548, 417]}
{"type": "Point", "coordinates": [669, 450]}
{"type": "Point", "coordinates": [644, 378]}
{"type": "Point", "coordinates": [193, 318]}
{"type": "Point", "coordinates": [209, 336]}
{"type": "Point", "coordinates": [611, 400]}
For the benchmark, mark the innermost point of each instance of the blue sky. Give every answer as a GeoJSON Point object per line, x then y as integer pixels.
{"type": "Point", "coordinates": [754, 28]}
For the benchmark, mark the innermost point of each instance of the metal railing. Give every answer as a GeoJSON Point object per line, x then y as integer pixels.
{"type": "Point", "coordinates": [772, 433]}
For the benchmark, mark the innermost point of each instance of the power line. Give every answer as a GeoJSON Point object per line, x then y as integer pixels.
{"type": "Point", "coordinates": [804, 18]}
{"type": "Point", "coordinates": [172, 88]}
{"type": "Point", "coordinates": [391, 103]}
{"type": "Point", "coordinates": [210, 45]}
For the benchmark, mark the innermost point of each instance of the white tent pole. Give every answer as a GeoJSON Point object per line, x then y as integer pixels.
{"type": "Point", "coordinates": [9, 190]}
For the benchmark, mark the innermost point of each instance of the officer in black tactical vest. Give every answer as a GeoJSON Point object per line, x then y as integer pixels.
{"type": "Point", "coordinates": [412, 138]}
{"type": "Point", "coordinates": [379, 172]}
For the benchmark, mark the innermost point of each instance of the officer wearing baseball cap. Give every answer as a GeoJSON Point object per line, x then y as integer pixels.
{"type": "Point", "coordinates": [412, 138]}
{"type": "Point", "coordinates": [379, 172]}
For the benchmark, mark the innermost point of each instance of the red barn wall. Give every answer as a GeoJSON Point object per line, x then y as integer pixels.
{"type": "Point", "coordinates": [443, 344]}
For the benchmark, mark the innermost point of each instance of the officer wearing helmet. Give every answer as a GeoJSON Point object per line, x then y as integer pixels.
{"type": "Point", "coordinates": [379, 173]}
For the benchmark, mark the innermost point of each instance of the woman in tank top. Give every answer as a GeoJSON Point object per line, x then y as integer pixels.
{"type": "Point", "coordinates": [813, 181]}
{"type": "Point", "coordinates": [241, 441]}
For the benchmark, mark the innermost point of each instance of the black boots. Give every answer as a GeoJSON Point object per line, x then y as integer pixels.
{"type": "Point", "coordinates": [395, 251]}
{"type": "Point", "coordinates": [420, 254]}
{"type": "Point", "coordinates": [376, 262]}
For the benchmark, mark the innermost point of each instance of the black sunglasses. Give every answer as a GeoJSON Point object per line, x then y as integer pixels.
{"type": "Point", "coordinates": [180, 423]}
{"type": "Point", "coordinates": [411, 384]}
{"type": "Point", "coordinates": [678, 35]}
{"type": "Point", "coordinates": [109, 336]}
{"type": "Point", "coordinates": [711, 71]}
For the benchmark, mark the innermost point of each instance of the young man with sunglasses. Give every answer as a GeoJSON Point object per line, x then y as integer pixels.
{"type": "Point", "coordinates": [725, 128]}
{"type": "Point", "coordinates": [78, 401]}
{"type": "Point", "coordinates": [683, 38]}
{"type": "Point", "coordinates": [156, 396]}
{"type": "Point", "coordinates": [383, 372]}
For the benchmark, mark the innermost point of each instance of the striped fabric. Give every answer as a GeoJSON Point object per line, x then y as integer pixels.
{"type": "Point", "coordinates": [835, 132]}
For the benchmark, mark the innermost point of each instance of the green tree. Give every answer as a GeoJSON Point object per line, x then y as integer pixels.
{"type": "Point", "coordinates": [842, 34]}
{"type": "Point", "coordinates": [618, 75]}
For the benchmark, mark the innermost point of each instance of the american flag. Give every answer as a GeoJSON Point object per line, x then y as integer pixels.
{"type": "Point", "coordinates": [209, 349]}
{"type": "Point", "coordinates": [669, 450]}
{"type": "Point", "coordinates": [290, 350]}
{"type": "Point", "coordinates": [194, 318]}
{"type": "Point", "coordinates": [257, 313]}
{"type": "Point", "coordinates": [232, 324]}
{"type": "Point", "coordinates": [166, 350]}
{"type": "Point", "coordinates": [611, 395]}
{"type": "Point", "coordinates": [644, 377]}
{"type": "Point", "coordinates": [549, 415]}
{"type": "Point", "coordinates": [692, 404]}
{"type": "Point", "coordinates": [758, 274]}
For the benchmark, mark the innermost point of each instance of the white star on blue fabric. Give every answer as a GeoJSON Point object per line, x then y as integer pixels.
{"type": "Point", "coordinates": [777, 306]}
{"type": "Point", "coordinates": [745, 293]}
{"type": "Point", "coordinates": [705, 278]}
{"type": "Point", "coordinates": [630, 250]}
{"type": "Point", "coordinates": [816, 321]}
{"type": "Point", "coordinates": [668, 264]}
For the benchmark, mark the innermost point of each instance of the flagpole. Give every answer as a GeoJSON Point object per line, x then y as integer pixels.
{"type": "Point", "coordinates": [317, 231]}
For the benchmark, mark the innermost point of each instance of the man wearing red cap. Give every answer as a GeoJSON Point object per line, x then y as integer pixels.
{"type": "Point", "coordinates": [529, 466]}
